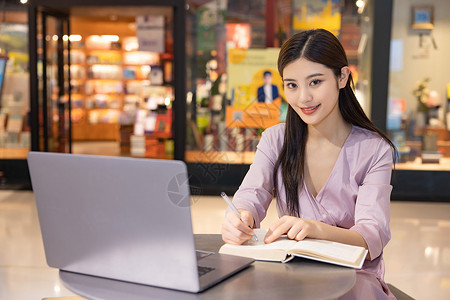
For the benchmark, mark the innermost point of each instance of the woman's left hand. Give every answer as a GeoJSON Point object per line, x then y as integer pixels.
{"type": "Point", "coordinates": [295, 228]}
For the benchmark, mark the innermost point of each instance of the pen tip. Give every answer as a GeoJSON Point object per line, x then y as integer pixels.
{"type": "Point", "coordinates": [222, 194]}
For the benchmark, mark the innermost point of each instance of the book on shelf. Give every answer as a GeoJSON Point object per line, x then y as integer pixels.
{"type": "Point", "coordinates": [284, 250]}
{"type": "Point", "coordinates": [431, 157]}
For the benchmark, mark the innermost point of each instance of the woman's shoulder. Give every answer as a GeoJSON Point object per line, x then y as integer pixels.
{"type": "Point", "coordinates": [276, 129]}
{"type": "Point", "coordinates": [368, 139]}
{"type": "Point", "coordinates": [275, 134]}
{"type": "Point", "coordinates": [272, 139]}
{"type": "Point", "coordinates": [364, 133]}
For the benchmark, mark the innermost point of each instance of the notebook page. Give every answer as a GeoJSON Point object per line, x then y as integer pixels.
{"type": "Point", "coordinates": [330, 249]}
{"type": "Point", "coordinates": [281, 243]}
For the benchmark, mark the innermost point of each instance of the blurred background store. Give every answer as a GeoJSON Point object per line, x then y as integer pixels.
{"type": "Point", "coordinates": [180, 79]}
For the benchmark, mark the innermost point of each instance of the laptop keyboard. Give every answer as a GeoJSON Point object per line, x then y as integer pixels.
{"type": "Point", "coordinates": [202, 254]}
{"type": "Point", "coordinates": [202, 270]}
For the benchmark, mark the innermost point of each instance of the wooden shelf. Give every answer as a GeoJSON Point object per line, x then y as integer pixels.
{"type": "Point", "coordinates": [95, 132]}
{"type": "Point", "coordinates": [223, 157]}
{"type": "Point", "coordinates": [86, 58]}
{"type": "Point", "coordinates": [417, 165]}
{"type": "Point", "coordinates": [102, 50]}
{"type": "Point", "coordinates": [14, 153]}
{"type": "Point", "coordinates": [155, 156]}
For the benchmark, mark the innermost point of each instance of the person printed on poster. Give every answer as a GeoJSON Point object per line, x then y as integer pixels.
{"type": "Point", "coordinates": [268, 91]}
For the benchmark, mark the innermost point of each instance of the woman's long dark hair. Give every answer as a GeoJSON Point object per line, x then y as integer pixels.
{"type": "Point", "coordinates": [319, 46]}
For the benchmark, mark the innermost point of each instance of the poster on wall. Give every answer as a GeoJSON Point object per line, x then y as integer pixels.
{"type": "Point", "coordinates": [312, 14]}
{"type": "Point", "coordinates": [254, 87]}
{"type": "Point", "coordinates": [208, 18]}
{"type": "Point", "coordinates": [14, 40]}
{"type": "Point", "coordinates": [150, 33]}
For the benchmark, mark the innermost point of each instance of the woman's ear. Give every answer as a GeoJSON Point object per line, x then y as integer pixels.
{"type": "Point", "coordinates": [343, 78]}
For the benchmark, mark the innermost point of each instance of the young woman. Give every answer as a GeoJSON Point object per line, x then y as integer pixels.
{"type": "Point", "coordinates": [328, 165]}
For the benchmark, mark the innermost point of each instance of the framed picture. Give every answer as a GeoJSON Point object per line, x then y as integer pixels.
{"type": "Point", "coordinates": [422, 17]}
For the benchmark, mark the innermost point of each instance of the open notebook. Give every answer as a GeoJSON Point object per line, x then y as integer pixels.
{"type": "Point", "coordinates": [284, 249]}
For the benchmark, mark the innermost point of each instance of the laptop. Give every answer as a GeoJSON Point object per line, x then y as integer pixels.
{"type": "Point", "coordinates": [121, 218]}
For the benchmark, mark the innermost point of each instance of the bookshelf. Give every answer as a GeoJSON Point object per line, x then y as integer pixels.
{"type": "Point", "coordinates": [116, 88]}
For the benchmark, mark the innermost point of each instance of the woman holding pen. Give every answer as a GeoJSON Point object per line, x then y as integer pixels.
{"type": "Point", "coordinates": [328, 165]}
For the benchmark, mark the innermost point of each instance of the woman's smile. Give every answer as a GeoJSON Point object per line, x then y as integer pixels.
{"type": "Point", "coordinates": [309, 110]}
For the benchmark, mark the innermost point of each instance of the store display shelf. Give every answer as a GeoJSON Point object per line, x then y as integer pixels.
{"type": "Point", "coordinates": [159, 135]}
{"type": "Point", "coordinates": [103, 50]}
{"type": "Point", "coordinates": [105, 94]}
{"type": "Point", "coordinates": [104, 63]}
{"type": "Point", "coordinates": [417, 165]}
{"type": "Point", "coordinates": [106, 79]}
{"type": "Point", "coordinates": [154, 156]}
{"type": "Point", "coordinates": [13, 153]}
{"type": "Point", "coordinates": [222, 157]}
{"type": "Point", "coordinates": [109, 75]}
{"type": "Point", "coordinates": [135, 79]}
{"type": "Point", "coordinates": [95, 131]}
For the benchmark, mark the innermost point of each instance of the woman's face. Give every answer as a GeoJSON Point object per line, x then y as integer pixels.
{"type": "Point", "coordinates": [312, 90]}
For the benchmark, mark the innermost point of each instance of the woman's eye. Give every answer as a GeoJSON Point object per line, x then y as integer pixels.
{"type": "Point", "coordinates": [291, 85]}
{"type": "Point", "coordinates": [315, 82]}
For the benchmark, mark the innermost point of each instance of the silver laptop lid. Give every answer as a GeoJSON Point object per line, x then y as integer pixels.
{"type": "Point", "coordinates": [121, 218]}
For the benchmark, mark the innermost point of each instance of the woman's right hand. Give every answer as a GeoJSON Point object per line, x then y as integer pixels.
{"type": "Point", "coordinates": [235, 231]}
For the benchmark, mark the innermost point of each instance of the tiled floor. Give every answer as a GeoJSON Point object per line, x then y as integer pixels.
{"type": "Point", "coordinates": [417, 258]}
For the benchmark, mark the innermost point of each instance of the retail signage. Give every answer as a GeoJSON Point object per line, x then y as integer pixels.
{"type": "Point", "coordinates": [311, 14]}
{"type": "Point", "coordinates": [254, 87]}
{"type": "Point", "coordinates": [256, 115]}
{"type": "Point", "coordinates": [247, 71]}
{"type": "Point", "coordinates": [150, 33]}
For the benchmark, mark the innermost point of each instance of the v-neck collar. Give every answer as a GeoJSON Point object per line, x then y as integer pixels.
{"type": "Point", "coordinates": [319, 195]}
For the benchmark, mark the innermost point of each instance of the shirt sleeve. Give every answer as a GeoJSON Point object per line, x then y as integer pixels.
{"type": "Point", "coordinates": [372, 210]}
{"type": "Point", "coordinates": [256, 190]}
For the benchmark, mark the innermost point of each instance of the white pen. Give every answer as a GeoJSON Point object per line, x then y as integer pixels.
{"type": "Point", "coordinates": [231, 205]}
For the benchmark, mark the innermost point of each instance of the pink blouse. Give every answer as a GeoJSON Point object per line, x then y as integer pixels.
{"type": "Point", "coordinates": [356, 195]}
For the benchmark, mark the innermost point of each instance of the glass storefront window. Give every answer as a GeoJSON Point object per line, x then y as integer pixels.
{"type": "Point", "coordinates": [419, 86]}
{"type": "Point", "coordinates": [234, 89]}
{"type": "Point", "coordinates": [14, 94]}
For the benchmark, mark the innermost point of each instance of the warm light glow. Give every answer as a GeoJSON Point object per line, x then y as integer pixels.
{"type": "Point", "coordinates": [145, 69]}
{"type": "Point", "coordinates": [65, 38]}
{"type": "Point", "coordinates": [105, 69]}
{"type": "Point", "coordinates": [238, 35]}
{"type": "Point", "coordinates": [105, 38]}
{"type": "Point", "coordinates": [75, 38]}
{"type": "Point", "coordinates": [55, 37]}
{"type": "Point", "coordinates": [131, 43]}
{"type": "Point", "coordinates": [361, 5]}
{"type": "Point", "coordinates": [189, 96]}
{"type": "Point", "coordinates": [167, 101]}
{"type": "Point", "coordinates": [24, 1]}
{"type": "Point", "coordinates": [110, 38]}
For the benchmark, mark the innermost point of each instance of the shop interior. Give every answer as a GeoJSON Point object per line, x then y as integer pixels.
{"type": "Point", "coordinates": [117, 96]}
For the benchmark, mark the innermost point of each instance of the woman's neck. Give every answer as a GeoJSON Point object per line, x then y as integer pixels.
{"type": "Point", "coordinates": [335, 132]}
